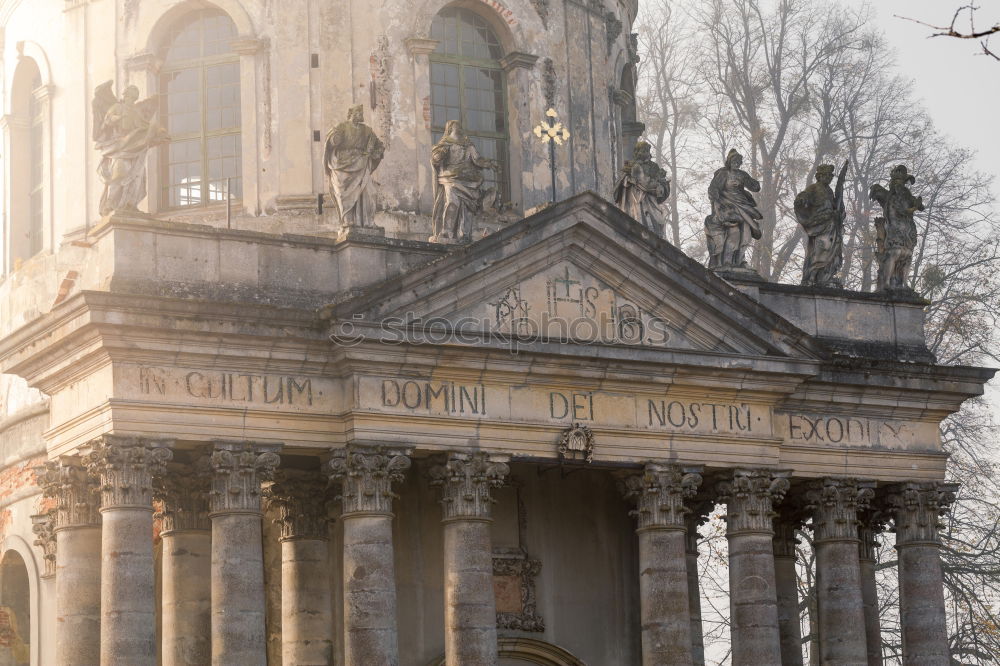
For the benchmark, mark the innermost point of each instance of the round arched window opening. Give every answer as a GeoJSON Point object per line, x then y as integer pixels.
{"type": "Point", "coordinates": [15, 610]}
{"type": "Point", "coordinates": [200, 96]}
{"type": "Point", "coordinates": [468, 84]}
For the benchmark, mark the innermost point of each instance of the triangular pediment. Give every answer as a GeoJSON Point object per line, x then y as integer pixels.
{"type": "Point", "coordinates": [582, 272]}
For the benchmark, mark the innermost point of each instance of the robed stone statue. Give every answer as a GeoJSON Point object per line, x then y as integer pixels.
{"type": "Point", "coordinates": [642, 189]}
{"type": "Point", "coordinates": [124, 131]}
{"type": "Point", "coordinates": [352, 154]}
{"type": "Point", "coordinates": [821, 212]}
{"type": "Point", "coordinates": [735, 220]}
{"type": "Point", "coordinates": [459, 185]}
{"type": "Point", "coordinates": [896, 232]}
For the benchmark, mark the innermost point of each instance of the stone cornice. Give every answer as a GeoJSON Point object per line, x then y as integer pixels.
{"type": "Point", "coordinates": [75, 492]}
{"type": "Point", "coordinates": [301, 501]}
{"type": "Point", "coordinates": [421, 45]}
{"type": "Point", "coordinates": [917, 509]}
{"type": "Point", "coordinates": [125, 467]}
{"type": "Point", "coordinates": [518, 60]}
{"type": "Point", "coordinates": [661, 494]}
{"type": "Point", "coordinates": [750, 498]}
{"type": "Point", "coordinates": [365, 477]}
{"type": "Point", "coordinates": [465, 480]}
{"type": "Point", "coordinates": [238, 470]}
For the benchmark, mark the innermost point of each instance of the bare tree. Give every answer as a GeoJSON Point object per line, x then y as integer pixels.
{"type": "Point", "coordinates": [952, 29]}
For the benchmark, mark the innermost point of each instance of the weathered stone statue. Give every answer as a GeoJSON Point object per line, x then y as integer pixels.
{"type": "Point", "coordinates": [821, 213]}
{"type": "Point", "coordinates": [352, 154]}
{"type": "Point", "coordinates": [896, 232]}
{"type": "Point", "coordinates": [735, 219]}
{"type": "Point", "coordinates": [459, 185]}
{"type": "Point", "coordinates": [124, 131]}
{"type": "Point", "coordinates": [642, 188]}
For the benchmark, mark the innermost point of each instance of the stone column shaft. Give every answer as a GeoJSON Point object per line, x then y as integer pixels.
{"type": "Point", "coordinates": [917, 508]}
{"type": "Point", "coordinates": [756, 639]}
{"type": "Point", "coordinates": [470, 631]}
{"type": "Point", "coordinates": [787, 591]}
{"type": "Point", "coordinates": [126, 467]}
{"type": "Point", "coordinates": [370, 624]}
{"type": "Point", "coordinates": [76, 523]}
{"type": "Point", "coordinates": [664, 600]}
{"type": "Point", "coordinates": [238, 622]}
{"type": "Point", "coordinates": [694, 595]}
{"type": "Point", "coordinates": [306, 612]}
{"type": "Point", "coordinates": [835, 504]}
{"type": "Point", "coordinates": [186, 565]}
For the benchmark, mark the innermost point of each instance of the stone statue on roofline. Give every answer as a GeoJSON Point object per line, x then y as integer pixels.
{"type": "Point", "coordinates": [642, 189]}
{"type": "Point", "coordinates": [735, 220]}
{"type": "Point", "coordinates": [895, 232]}
{"type": "Point", "coordinates": [459, 185]}
{"type": "Point", "coordinates": [124, 131]}
{"type": "Point", "coordinates": [821, 212]}
{"type": "Point", "coordinates": [352, 154]}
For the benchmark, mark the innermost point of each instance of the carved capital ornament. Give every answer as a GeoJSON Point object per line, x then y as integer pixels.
{"type": "Point", "coordinates": [43, 525]}
{"type": "Point", "coordinates": [661, 494]}
{"type": "Point", "coordinates": [917, 509]}
{"type": "Point", "coordinates": [835, 504]}
{"type": "Point", "coordinates": [366, 477]}
{"type": "Point", "coordinates": [300, 500]}
{"type": "Point", "coordinates": [183, 493]}
{"type": "Point", "coordinates": [238, 469]}
{"type": "Point", "coordinates": [466, 480]}
{"type": "Point", "coordinates": [750, 498]}
{"type": "Point", "coordinates": [74, 491]}
{"type": "Point", "coordinates": [125, 467]}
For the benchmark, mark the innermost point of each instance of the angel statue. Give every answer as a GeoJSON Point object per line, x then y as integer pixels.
{"type": "Point", "coordinates": [896, 232]}
{"type": "Point", "coordinates": [353, 152]}
{"type": "Point", "coordinates": [124, 131]}
{"type": "Point", "coordinates": [821, 213]}
{"type": "Point", "coordinates": [459, 185]}
{"type": "Point", "coordinates": [735, 219]}
{"type": "Point", "coordinates": [642, 189]}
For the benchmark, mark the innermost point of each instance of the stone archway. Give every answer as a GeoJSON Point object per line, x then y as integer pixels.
{"type": "Point", "coordinates": [517, 651]}
{"type": "Point", "coordinates": [15, 610]}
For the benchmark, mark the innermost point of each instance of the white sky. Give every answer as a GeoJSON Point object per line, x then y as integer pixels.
{"type": "Point", "coordinates": [959, 88]}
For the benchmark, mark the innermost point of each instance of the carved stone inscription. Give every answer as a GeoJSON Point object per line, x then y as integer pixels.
{"type": "Point", "coordinates": [429, 397]}
{"type": "Point", "coordinates": [213, 387]}
{"type": "Point", "coordinates": [856, 431]}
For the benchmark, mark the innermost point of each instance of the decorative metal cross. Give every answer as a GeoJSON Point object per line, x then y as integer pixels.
{"type": "Point", "coordinates": [554, 133]}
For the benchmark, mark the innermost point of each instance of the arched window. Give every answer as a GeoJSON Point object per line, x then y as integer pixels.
{"type": "Point", "coordinates": [467, 84]}
{"type": "Point", "coordinates": [15, 610]}
{"type": "Point", "coordinates": [200, 93]}
{"type": "Point", "coordinates": [27, 163]}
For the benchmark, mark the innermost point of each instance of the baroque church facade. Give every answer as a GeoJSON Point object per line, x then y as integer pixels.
{"type": "Point", "coordinates": [236, 431]}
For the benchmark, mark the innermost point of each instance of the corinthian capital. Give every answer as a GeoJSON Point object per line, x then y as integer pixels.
{"type": "Point", "coordinates": [126, 467]}
{"type": "Point", "coordinates": [661, 494]}
{"type": "Point", "coordinates": [183, 492]}
{"type": "Point", "coordinates": [917, 509]}
{"type": "Point", "coordinates": [835, 504]}
{"type": "Point", "coordinates": [466, 480]}
{"type": "Point", "coordinates": [750, 499]}
{"type": "Point", "coordinates": [43, 525]}
{"type": "Point", "coordinates": [366, 477]}
{"type": "Point", "coordinates": [300, 499]}
{"type": "Point", "coordinates": [75, 493]}
{"type": "Point", "coordinates": [238, 469]}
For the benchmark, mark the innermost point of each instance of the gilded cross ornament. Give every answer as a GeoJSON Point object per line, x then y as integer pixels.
{"type": "Point", "coordinates": [553, 132]}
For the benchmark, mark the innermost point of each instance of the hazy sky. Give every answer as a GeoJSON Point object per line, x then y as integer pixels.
{"type": "Point", "coordinates": [960, 88]}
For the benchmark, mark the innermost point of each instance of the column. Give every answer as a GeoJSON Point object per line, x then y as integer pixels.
{"type": "Point", "coordinates": [786, 586]}
{"type": "Point", "coordinates": [470, 625]}
{"type": "Point", "coordinates": [694, 521]}
{"type": "Point", "coordinates": [917, 508]}
{"type": "Point", "coordinates": [834, 504]}
{"type": "Point", "coordinates": [125, 467]}
{"type": "Point", "coordinates": [753, 599]}
{"type": "Point", "coordinates": [664, 598]}
{"type": "Point", "coordinates": [77, 526]}
{"type": "Point", "coordinates": [872, 524]}
{"type": "Point", "coordinates": [186, 565]}
{"type": "Point", "coordinates": [366, 477]}
{"type": "Point", "coordinates": [238, 629]}
{"type": "Point", "coordinates": [306, 613]}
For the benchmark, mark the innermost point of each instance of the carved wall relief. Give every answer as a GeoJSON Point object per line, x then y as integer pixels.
{"type": "Point", "coordinates": [514, 571]}
{"type": "Point", "coordinates": [380, 64]}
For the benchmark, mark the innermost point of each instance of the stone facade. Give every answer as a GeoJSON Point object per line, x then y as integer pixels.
{"type": "Point", "coordinates": [241, 435]}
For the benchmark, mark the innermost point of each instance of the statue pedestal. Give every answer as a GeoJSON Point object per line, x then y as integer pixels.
{"type": "Point", "coordinates": [449, 241]}
{"type": "Point", "coordinates": [122, 216]}
{"type": "Point", "coordinates": [738, 273]}
{"type": "Point", "coordinates": [360, 233]}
